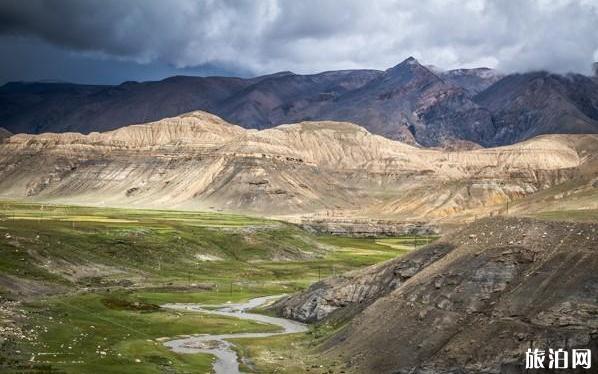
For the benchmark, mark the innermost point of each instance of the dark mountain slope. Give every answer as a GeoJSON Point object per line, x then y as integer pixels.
{"type": "Point", "coordinates": [291, 97]}
{"type": "Point", "coordinates": [473, 80]}
{"type": "Point", "coordinates": [526, 105]}
{"type": "Point", "coordinates": [260, 102]}
{"type": "Point", "coordinates": [33, 107]}
{"type": "Point", "coordinates": [471, 303]}
{"type": "Point", "coordinates": [50, 107]}
{"type": "Point", "coordinates": [408, 102]}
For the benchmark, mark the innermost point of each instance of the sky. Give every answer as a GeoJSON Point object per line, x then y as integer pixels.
{"type": "Point", "coordinates": [111, 41]}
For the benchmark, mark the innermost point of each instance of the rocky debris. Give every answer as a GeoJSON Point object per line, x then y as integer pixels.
{"type": "Point", "coordinates": [10, 328]}
{"type": "Point", "coordinates": [366, 227]}
{"type": "Point", "coordinates": [502, 285]}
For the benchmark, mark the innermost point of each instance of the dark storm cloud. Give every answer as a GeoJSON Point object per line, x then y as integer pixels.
{"type": "Point", "coordinates": [33, 60]}
{"type": "Point", "coordinates": [303, 36]}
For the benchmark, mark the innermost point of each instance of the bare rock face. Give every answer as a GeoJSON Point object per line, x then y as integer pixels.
{"type": "Point", "coordinates": [345, 296]}
{"type": "Point", "coordinates": [199, 161]}
{"type": "Point", "coordinates": [473, 303]}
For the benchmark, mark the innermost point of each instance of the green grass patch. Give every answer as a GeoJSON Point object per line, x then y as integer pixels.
{"type": "Point", "coordinates": [95, 333]}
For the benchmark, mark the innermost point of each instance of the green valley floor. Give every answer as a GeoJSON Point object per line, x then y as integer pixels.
{"type": "Point", "coordinates": [81, 288]}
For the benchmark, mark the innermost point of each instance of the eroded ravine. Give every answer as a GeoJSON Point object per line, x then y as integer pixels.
{"type": "Point", "coordinates": [218, 345]}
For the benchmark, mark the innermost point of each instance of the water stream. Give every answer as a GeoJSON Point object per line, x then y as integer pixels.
{"type": "Point", "coordinates": [218, 345]}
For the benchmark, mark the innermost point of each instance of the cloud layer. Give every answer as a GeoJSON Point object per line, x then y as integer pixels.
{"type": "Point", "coordinates": [256, 37]}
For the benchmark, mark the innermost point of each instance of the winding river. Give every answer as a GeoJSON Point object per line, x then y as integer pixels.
{"type": "Point", "coordinates": [217, 345]}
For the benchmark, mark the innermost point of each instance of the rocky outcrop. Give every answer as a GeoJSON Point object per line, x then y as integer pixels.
{"type": "Point", "coordinates": [345, 296]}
{"type": "Point", "coordinates": [366, 227]}
{"type": "Point", "coordinates": [479, 299]}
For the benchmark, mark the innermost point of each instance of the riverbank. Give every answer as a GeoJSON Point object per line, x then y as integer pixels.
{"type": "Point", "coordinates": [227, 361]}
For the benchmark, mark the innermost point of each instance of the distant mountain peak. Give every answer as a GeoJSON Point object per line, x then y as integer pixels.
{"type": "Point", "coordinates": [595, 68]}
{"type": "Point", "coordinates": [411, 60]}
{"type": "Point", "coordinates": [409, 65]}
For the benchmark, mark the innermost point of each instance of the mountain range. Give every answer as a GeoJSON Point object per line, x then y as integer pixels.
{"type": "Point", "coordinates": [409, 102]}
{"type": "Point", "coordinates": [200, 161]}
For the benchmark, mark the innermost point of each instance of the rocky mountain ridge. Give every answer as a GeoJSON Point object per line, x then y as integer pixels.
{"type": "Point", "coordinates": [408, 102]}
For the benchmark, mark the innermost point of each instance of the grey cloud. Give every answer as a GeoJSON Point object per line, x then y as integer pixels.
{"type": "Point", "coordinates": [309, 36]}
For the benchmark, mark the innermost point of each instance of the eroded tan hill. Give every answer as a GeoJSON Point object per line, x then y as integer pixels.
{"type": "Point", "coordinates": [199, 161]}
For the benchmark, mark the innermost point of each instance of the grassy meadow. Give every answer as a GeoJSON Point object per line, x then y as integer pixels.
{"type": "Point", "coordinates": [81, 287]}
